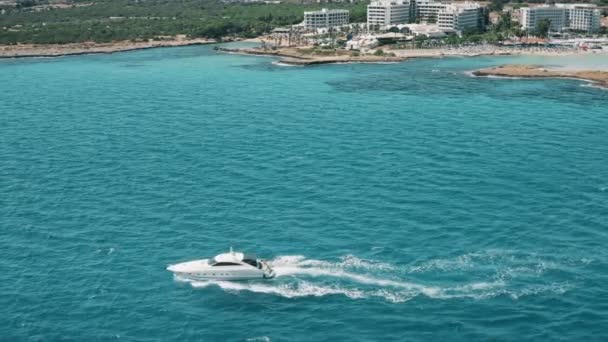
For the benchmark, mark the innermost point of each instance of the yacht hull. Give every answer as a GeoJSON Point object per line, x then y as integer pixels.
{"type": "Point", "coordinates": [203, 276]}
{"type": "Point", "coordinates": [200, 270]}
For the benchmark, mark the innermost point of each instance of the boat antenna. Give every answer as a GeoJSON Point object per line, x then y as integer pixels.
{"type": "Point", "coordinates": [231, 251]}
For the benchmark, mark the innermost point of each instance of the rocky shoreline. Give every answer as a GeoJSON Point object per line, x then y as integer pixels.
{"type": "Point", "coordinates": [294, 56]}
{"type": "Point", "coordinates": [597, 77]}
{"type": "Point", "coordinates": [74, 49]}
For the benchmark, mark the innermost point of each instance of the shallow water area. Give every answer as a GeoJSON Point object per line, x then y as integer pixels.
{"type": "Point", "coordinates": [403, 201]}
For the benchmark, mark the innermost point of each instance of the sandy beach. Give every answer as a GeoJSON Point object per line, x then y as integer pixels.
{"type": "Point", "coordinates": [492, 50]}
{"type": "Point", "coordinates": [51, 50]}
{"type": "Point", "coordinates": [304, 56]}
{"type": "Point", "coordinates": [599, 78]}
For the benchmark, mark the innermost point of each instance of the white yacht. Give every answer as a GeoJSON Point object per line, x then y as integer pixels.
{"type": "Point", "coordinates": [226, 266]}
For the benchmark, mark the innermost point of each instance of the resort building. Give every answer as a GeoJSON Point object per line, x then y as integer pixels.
{"type": "Point", "coordinates": [325, 18]}
{"type": "Point", "coordinates": [427, 10]}
{"type": "Point", "coordinates": [388, 12]}
{"type": "Point", "coordinates": [583, 17]}
{"type": "Point", "coordinates": [532, 16]}
{"type": "Point", "coordinates": [455, 16]}
{"type": "Point", "coordinates": [460, 16]}
{"type": "Point", "coordinates": [579, 17]}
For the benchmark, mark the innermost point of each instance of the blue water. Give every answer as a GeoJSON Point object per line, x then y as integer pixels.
{"type": "Point", "coordinates": [401, 201]}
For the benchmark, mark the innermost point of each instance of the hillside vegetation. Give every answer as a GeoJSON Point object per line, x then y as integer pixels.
{"type": "Point", "coordinates": [111, 20]}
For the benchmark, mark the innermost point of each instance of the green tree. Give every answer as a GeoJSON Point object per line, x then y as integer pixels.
{"type": "Point", "coordinates": [471, 31]}
{"type": "Point", "coordinates": [497, 5]}
{"type": "Point", "coordinates": [505, 23]}
{"type": "Point", "coordinates": [142, 20]}
{"type": "Point", "coordinates": [420, 40]}
{"type": "Point", "coordinates": [543, 27]}
{"type": "Point", "coordinates": [452, 39]}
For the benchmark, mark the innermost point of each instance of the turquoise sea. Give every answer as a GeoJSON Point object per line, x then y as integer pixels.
{"type": "Point", "coordinates": [398, 202]}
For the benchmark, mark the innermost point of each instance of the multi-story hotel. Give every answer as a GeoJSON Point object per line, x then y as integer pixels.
{"type": "Point", "coordinates": [427, 10]}
{"type": "Point", "coordinates": [449, 16]}
{"type": "Point", "coordinates": [388, 12]}
{"type": "Point", "coordinates": [532, 16]}
{"type": "Point", "coordinates": [325, 18]}
{"type": "Point", "coordinates": [460, 16]}
{"type": "Point", "coordinates": [581, 17]}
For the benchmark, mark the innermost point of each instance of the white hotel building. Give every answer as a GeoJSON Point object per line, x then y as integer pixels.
{"type": "Point", "coordinates": [460, 16]}
{"type": "Point", "coordinates": [388, 12]}
{"type": "Point", "coordinates": [427, 10]}
{"type": "Point", "coordinates": [581, 17]}
{"type": "Point", "coordinates": [326, 18]}
{"type": "Point", "coordinates": [532, 16]}
{"type": "Point", "coordinates": [454, 16]}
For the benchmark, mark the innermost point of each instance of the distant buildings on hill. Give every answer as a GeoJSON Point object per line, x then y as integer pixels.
{"type": "Point", "coordinates": [577, 17]}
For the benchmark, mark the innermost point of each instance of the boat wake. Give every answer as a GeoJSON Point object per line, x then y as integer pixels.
{"type": "Point", "coordinates": [355, 278]}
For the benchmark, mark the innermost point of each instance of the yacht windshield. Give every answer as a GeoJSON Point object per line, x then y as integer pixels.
{"type": "Point", "coordinates": [225, 264]}
{"type": "Point", "coordinates": [251, 262]}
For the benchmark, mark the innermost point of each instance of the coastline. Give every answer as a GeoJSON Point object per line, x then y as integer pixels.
{"type": "Point", "coordinates": [295, 56]}
{"type": "Point", "coordinates": [292, 56]}
{"type": "Point", "coordinates": [596, 77]}
{"type": "Point", "coordinates": [287, 55]}
{"type": "Point", "coordinates": [87, 48]}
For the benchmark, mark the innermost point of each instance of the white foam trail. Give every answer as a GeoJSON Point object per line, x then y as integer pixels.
{"type": "Point", "coordinates": [285, 64]}
{"type": "Point", "coordinates": [393, 297]}
{"type": "Point", "coordinates": [309, 289]}
{"type": "Point", "coordinates": [348, 261]}
{"type": "Point", "coordinates": [460, 262]}
{"type": "Point", "coordinates": [590, 84]}
{"type": "Point", "coordinates": [352, 279]}
{"type": "Point", "coordinates": [296, 265]}
{"type": "Point", "coordinates": [363, 279]}
{"type": "Point", "coordinates": [301, 289]}
{"type": "Point", "coordinates": [507, 263]}
{"type": "Point", "coordinates": [259, 339]}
